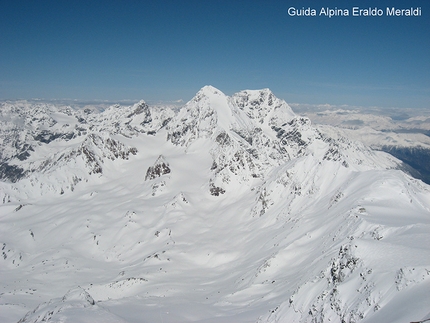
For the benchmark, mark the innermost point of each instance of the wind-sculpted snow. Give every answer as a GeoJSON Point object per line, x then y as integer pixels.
{"type": "Point", "coordinates": [77, 305]}
{"type": "Point", "coordinates": [404, 133]}
{"type": "Point", "coordinates": [232, 209]}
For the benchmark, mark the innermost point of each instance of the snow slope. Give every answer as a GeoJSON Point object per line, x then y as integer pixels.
{"type": "Point", "coordinates": [233, 209]}
{"type": "Point", "coordinates": [404, 133]}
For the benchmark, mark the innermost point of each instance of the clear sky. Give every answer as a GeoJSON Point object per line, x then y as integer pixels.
{"type": "Point", "coordinates": [167, 50]}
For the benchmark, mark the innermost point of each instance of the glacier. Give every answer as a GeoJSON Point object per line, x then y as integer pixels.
{"type": "Point", "coordinates": [229, 209]}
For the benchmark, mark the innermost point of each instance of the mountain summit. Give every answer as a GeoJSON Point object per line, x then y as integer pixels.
{"type": "Point", "coordinates": [230, 209]}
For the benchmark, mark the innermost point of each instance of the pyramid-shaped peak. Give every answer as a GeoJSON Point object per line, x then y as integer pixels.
{"type": "Point", "coordinates": [141, 102]}
{"type": "Point", "coordinates": [141, 105]}
{"type": "Point", "coordinates": [210, 90]}
{"type": "Point", "coordinates": [79, 294]}
{"type": "Point", "coordinates": [208, 94]}
{"type": "Point", "coordinates": [161, 160]}
{"type": "Point", "coordinates": [211, 102]}
{"type": "Point", "coordinates": [160, 168]}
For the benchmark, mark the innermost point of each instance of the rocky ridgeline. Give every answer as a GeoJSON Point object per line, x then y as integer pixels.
{"type": "Point", "coordinates": [281, 212]}
{"type": "Point", "coordinates": [252, 132]}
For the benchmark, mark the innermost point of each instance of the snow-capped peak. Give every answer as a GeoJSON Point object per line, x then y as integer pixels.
{"type": "Point", "coordinates": [219, 103]}
{"type": "Point", "coordinates": [264, 107]}
{"type": "Point", "coordinates": [234, 207]}
{"type": "Point", "coordinates": [208, 112]}
{"type": "Point", "coordinates": [209, 90]}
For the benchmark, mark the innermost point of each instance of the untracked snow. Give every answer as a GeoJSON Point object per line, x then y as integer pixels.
{"type": "Point", "coordinates": [233, 209]}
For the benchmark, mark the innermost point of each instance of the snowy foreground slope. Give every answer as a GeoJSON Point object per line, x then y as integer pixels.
{"type": "Point", "coordinates": [233, 209]}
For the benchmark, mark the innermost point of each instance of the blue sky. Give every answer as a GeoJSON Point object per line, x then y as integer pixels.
{"type": "Point", "coordinates": [167, 50]}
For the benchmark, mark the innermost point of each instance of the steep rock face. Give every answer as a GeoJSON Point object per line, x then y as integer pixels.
{"type": "Point", "coordinates": [263, 107]}
{"type": "Point", "coordinates": [160, 167]}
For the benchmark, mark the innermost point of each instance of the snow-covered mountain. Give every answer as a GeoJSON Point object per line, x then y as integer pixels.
{"type": "Point", "coordinates": [232, 209]}
{"type": "Point", "coordinates": [404, 133]}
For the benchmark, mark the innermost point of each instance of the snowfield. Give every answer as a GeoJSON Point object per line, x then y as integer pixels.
{"type": "Point", "coordinates": [233, 209]}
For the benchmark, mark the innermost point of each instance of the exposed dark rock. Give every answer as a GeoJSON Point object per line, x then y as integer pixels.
{"type": "Point", "coordinates": [223, 139]}
{"type": "Point", "coordinates": [46, 136]}
{"type": "Point", "coordinates": [215, 190]}
{"type": "Point", "coordinates": [11, 173]}
{"type": "Point", "coordinates": [161, 167]}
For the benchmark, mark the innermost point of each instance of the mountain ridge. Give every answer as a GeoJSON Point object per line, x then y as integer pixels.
{"type": "Point", "coordinates": [233, 207]}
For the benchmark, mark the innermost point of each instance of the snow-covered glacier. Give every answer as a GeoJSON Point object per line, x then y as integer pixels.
{"type": "Point", "coordinates": [229, 209]}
